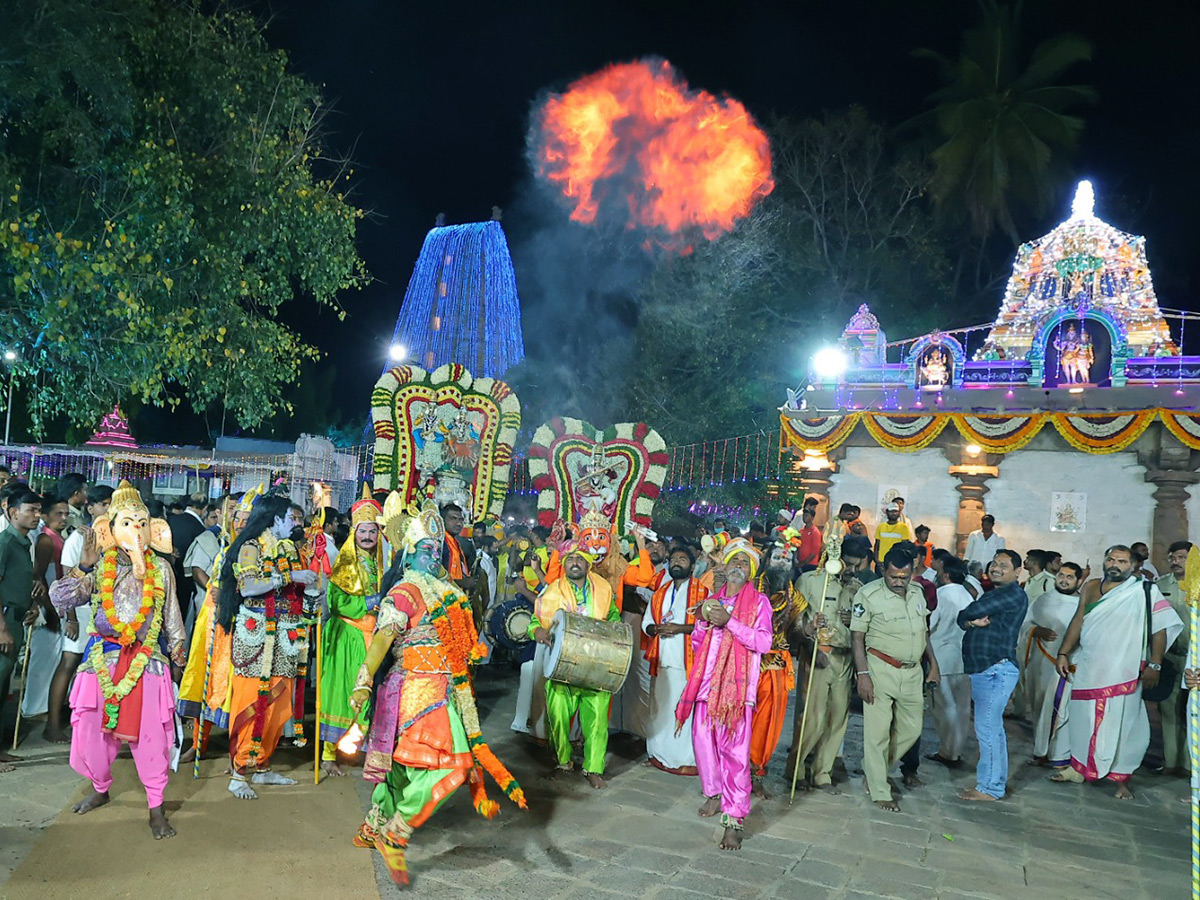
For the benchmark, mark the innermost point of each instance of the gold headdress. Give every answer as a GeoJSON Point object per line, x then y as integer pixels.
{"type": "Point", "coordinates": [426, 524]}
{"type": "Point", "coordinates": [246, 504]}
{"type": "Point", "coordinates": [126, 499]}
{"type": "Point", "coordinates": [364, 511]}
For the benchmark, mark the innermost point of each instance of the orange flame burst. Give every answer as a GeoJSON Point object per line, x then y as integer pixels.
{"type": "Point", "coordinates": [678, 161]}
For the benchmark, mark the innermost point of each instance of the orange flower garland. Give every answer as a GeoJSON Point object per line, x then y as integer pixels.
{"type": "Point", "coordinates": [450, 613]}
{"type": "Point", "coordinates": [126, 632]}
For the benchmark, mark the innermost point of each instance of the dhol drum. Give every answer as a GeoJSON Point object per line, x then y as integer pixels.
{"type": "Point", "coordinates": [588, 653]}
{"type": "Point", "coordinates": [508, 623]}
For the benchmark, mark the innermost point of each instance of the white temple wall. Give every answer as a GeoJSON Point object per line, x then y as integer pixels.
{"type": "Point", "coordinates": [1120, 505]}
{"type": "Point", "coordinates": [930, 499]}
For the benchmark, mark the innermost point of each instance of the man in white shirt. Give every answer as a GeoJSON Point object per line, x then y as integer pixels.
{"type": "Point", "coordinates": [1145, 568]}
{"type": "Point", "coordinates": [952, 703]}
{"type": "Point", "coordinates": [983, 544]}
{"type": "Point", "coordinates": [198, 563]}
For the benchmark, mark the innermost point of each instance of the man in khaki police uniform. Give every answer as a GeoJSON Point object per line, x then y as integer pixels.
{"type": "Point", "coordinates": [829, 700]}
{"type": "Point", "coordinates": [890, 636]}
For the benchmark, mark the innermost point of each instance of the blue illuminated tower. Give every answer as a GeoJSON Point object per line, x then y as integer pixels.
{"type": "Point", "coordinates": [461, 305]}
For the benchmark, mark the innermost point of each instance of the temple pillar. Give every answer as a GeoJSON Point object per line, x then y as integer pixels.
{"type": "Point", "coordinates": [1171, 468]}
{"type": "Point", "coordinates": [973, 470]}
{"type": "Point", "coordinates": [816, 478]}
{"type": "Point", "coordinates": [1170, 521]}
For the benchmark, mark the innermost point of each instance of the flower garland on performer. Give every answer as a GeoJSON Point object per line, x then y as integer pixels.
{"type": "Point", "coordinates": [152, 591]}
{"type": "Point", "coordinates": [451, 615]}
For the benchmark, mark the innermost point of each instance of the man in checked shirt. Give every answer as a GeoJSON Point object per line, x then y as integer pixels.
{"type": "Point", "coordinates": [992, 624]}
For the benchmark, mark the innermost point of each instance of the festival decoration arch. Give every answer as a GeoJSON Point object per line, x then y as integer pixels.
{"type": "Point", "coordinates": [616, 471]}
{"type": "Point", "coordinates": [923, 361]}
{"type": "Point", "coordinates": [446, 435]}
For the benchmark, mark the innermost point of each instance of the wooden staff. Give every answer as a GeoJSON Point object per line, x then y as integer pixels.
{"type": "Point", "coordinates": [812, 667]}
{"type": "Point", "coordinates": [24, 683]}
{"type": "Point", "coordinates": [317, 724]}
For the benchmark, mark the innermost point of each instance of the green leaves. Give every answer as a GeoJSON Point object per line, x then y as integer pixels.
{"type": "Point", "coordinates": [164, 194]}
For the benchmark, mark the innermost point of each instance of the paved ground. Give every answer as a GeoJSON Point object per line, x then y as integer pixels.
{"type": "Point", "coordinates": [642, 838]}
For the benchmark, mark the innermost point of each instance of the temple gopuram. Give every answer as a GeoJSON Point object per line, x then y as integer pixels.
{"type": "Point", "coordinates": [1073, 421]}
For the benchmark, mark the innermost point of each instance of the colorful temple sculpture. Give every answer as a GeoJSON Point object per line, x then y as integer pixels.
{"type": "Point", "coordinates": [1080, 358]}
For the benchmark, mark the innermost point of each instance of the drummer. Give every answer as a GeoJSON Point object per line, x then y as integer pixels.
{"type": "Point", "coordinates": [581, 591]}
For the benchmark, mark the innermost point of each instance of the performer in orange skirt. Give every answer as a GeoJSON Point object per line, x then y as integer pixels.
{"type": "Point", "coordinates": [777, 678]}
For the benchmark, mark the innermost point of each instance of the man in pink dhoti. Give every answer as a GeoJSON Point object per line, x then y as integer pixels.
{"type": "Point", "coordinates": [123, 691]}
{"type": "Point", "coordinates": [1118, 637]}
{"type": "Point", "coordinates": [733, 630]}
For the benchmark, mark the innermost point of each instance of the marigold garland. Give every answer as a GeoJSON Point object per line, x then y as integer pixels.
{"type": "Point", "coordinates": [152, 589]}
{"type": "Point", "coordinates": [450, 613]}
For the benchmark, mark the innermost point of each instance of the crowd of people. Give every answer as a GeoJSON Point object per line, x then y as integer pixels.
{"type": "Point", "coordinates": [213, 615]}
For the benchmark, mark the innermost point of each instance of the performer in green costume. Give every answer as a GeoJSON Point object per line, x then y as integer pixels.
{"type": "Point", "coordinates": [353, 602]}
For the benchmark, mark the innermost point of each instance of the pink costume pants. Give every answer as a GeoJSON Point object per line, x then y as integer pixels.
{"type": "Point", "coordinates": [93, 750]}
{"type": "Point", "coordinates": [723, 760]}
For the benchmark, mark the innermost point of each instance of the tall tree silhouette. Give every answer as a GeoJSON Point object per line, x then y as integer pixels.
{"type": "Point", "coordinates": [1005, 121]}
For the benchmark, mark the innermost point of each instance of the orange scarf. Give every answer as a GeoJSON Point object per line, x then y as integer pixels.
{"type": "Point", "coordinates": [695, 596]}
{"type": "Point", "coordinates": [454, 559]}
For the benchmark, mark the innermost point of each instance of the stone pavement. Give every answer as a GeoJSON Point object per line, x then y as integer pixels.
{"type": "Point", "coordinates": [641, 837]}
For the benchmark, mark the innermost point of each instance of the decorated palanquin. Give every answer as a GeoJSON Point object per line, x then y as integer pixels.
{"type": "Point", "coordinates": [616, 472]}
{"type": "Point", "coordinates": [445, 436]}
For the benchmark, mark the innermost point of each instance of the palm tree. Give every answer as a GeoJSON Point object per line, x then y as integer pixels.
{"type": "Point", "coordinates": [1004, 121]}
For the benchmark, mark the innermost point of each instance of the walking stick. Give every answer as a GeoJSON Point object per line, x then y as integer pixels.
{"type": "Point", "coordinates": [833, 566]}
{"type": "Point", "coordinates": [317, 724]}
{"type": "Point", "coordinates": [1191, 587]}
{"type": "Point", "coordinates": [24, 683]}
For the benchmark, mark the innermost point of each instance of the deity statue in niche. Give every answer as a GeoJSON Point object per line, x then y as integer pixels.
{"type": "Point", "coordinates": [935, 368]}
{"type": "Point", "coordinates": [1075, 355]}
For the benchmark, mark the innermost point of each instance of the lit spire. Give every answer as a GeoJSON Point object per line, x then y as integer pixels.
{"type": "Point", "coordinates": [1083, 206]}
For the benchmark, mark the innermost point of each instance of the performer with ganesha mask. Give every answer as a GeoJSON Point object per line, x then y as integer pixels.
{"type": "Point", "coordinates": [123, 691]}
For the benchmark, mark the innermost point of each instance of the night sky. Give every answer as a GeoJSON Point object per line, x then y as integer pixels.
{"type": "Point", "coordinates": [433, 102]}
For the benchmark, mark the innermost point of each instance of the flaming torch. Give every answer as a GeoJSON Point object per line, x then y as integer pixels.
{"type": "Point", "coordinates": [634, 146]}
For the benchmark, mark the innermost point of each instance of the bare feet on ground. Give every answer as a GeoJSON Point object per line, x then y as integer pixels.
{"type": "Point", "coordinates": [57, 735]}
{"type": "Point", "coordinates": [92, 801]}
{"type": "Point", "coordinates": [889, 805]}
{"type": "Point", "coordinates": [828, 788]}
{"type": "Point", "coordinates": [760, 790]}
{"type": "Point", "coordinates": [911, 781]}
{"type": "Point", "coordinates": [1123, 791]}
{"type": "Point", "coordinates": [976, 796]}
{"type": "Point", "coordinates": [595, 780]}
{"type": "Point", "coordinates": [712, 806]}
{"type": "Point", "coordinates": [330, 767]}
{"type": "Point", "coordinates": [159, 826]}
{"type": "Point", "coordinates": [731, 840]}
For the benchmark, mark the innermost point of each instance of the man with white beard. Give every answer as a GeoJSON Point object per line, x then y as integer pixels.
{"type": "Point", "coordinates": [1049, 693]}
{"type": "Point", "coordinates": [1109, 730]}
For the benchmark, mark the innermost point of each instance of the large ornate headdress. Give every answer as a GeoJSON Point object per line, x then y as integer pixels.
{"type": "Point", "coordinates": [593, 535]}
{"type": "Point", "coordinates": [346, 572]}
{"type": "Point", "coordinates": [246, 504]}
{"type": "Point", "coordinates": [126, 499]}
{"type": "Point", "coordinates": [406, 526]}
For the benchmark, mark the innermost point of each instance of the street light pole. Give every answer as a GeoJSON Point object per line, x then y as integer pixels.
{"type": "Point", "coordinates": [8, 409]}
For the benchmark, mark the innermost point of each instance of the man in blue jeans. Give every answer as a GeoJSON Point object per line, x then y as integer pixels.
{"type": "Point", "coordinates": [992, 624]}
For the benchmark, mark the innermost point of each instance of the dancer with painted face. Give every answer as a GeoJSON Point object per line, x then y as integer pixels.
{"type": "Point", "coordinates": [733, 631]}
{"type": "Point", "coordinates": [261, 608]}
{"type": "Point", "coordinates": [123, 691]}
{"type": "Point", "coordinates": [424, 740]}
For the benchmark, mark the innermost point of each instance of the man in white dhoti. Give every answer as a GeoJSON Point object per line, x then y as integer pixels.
{"type": "Point", "coordinates": [668, 623]}
{"type": "Point", "coordinates": [1049, 693]}
{"type": "Point", "coordinates": [952, 703]}
{"type": "Point", "coordinates": [1109, 730]}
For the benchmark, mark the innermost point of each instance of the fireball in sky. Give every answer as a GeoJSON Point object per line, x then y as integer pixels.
{"type": "Point", "coordinates": [633, 143]}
